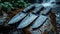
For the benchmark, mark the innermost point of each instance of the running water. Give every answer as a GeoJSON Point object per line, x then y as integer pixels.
{"type": "Point", "coordinates": [48, 3]}
{"type": "Point", "coordinates": [45, 1]}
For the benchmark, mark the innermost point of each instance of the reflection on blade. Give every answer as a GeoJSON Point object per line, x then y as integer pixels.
{"type": "Point", "coordinates": [17, 15]}
{"type": "Point", "coordinates": [28, 20]}
{"type": "Point", "coordinates": [40, 20]}
{"type": "Point", "coordinates": [29, 8]}
{"type": "Point", "coordinates": [38, 9]}
{"type": "Point", "coordinates": [20, 15]}
{"type": "Point", "coordinates": [46, 11]}
{"type": "Point", "coordinates": [17, 18]}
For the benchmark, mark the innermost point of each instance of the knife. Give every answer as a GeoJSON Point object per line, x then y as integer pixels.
{"type": "Point", "coordinates": [30, 18]}
{"type": "Point", "coordinates": [21, 15]}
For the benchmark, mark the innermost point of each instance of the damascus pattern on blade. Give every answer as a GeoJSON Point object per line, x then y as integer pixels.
{"type": "Point", "coordinates": [25, 10]}
{"type": "Point", "coordinates": [39, 21]}
{"type": "Point", "coordinates": [28, 8]}
{"type": "Point", "coordinates": [38, 9]}
{"type": "Point", "coordinates": [17, 18]}
{"type": "Point", "coordinates": [46, 11]}
{"type": "Point", "coordinates": [28, 20]}
{"type": "Point", "coordinates": [17, 15]}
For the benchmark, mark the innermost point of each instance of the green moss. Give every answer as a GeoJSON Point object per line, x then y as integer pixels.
{"type": "Point", "coordinates": [12, 4]}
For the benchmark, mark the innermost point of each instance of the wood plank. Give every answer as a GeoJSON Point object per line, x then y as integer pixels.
{"type": "Point", "coordinates": [53, 21]}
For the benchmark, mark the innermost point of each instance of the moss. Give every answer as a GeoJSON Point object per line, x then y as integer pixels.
{"type": "Point", "coordinates": [12, 4]}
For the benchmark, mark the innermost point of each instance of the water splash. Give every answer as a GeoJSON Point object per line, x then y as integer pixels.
{"type": "Point", "coordinates": [48, 3]}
